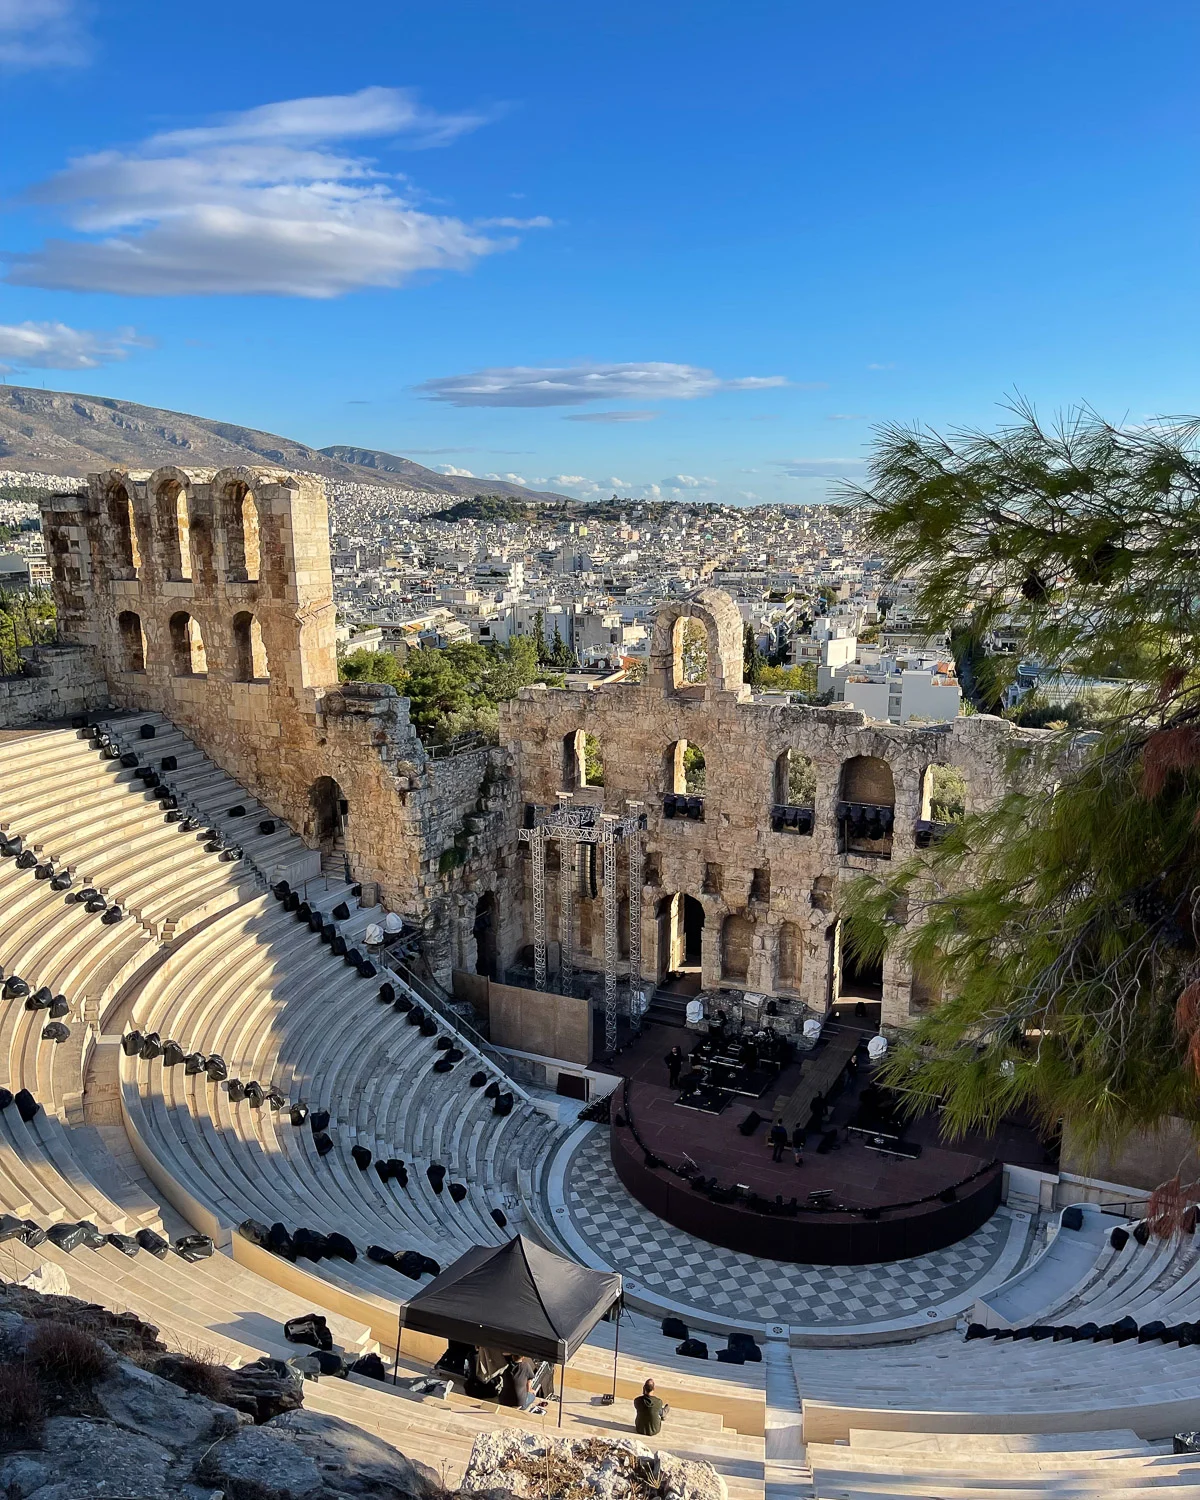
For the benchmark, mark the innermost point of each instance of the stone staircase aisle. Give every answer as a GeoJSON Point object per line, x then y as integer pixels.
{"type": "Point", "coordinates": [787, 1475]}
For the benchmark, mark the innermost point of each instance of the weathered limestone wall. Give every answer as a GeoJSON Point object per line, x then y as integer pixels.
{"type": "Point", "coordinates": [209, 598]}
{"type": "Point", "coordinates": [768, 897]}
{"type": "Point", "coordinates": [59, 683]}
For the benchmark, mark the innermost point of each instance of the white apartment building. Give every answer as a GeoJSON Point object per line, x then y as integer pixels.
{"type": "Point", "coordinates": [896, 689]}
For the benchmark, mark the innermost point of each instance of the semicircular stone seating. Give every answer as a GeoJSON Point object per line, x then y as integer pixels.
{"type": "Point", "coordinates": [204, 957]}
{"type": "Point", "coordinates": [1056, 1383]}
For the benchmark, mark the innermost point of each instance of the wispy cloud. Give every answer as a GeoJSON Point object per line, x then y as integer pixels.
{"type": "Point", "coordinates": [41, 34]}
{"type": "Point", "coordinates": [55, 346]}
{"type": "Point", "coordinates": [820, 468]}
{"type": "Point", "coordinates": [846, 416]}
{"type": "Point", "coordinates": [889, 366]}
{"type": "Point", "coordinates": [612, 416]}
{"type": "Point", "coordinates": [575, 385]}
{"type": "Point", "coordinates": [255, 202]}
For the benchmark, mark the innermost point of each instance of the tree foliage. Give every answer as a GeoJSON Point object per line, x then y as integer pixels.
{"type": "Point", "coordinates": [453, 689]}
{"type": "Point", "coordinates": [25, 620]}
{"type": "Point", "coordinates": [1061, 923]}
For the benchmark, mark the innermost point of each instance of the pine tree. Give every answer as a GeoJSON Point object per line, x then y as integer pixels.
{"type": "Point", "coordinates": [752, 661]}
{"type": "Point", "coordinates": [1061, 923]}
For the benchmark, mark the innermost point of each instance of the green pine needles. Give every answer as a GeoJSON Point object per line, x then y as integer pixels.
{"type": "Point", "coordinates": [1058, 928]}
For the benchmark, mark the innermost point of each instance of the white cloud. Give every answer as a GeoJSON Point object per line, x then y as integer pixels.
{"type": "Point", "coordinates": [573, 385]}
{"type": "Point", "coordinates": [258, 202]}
{"type": "Point", "coordinates": [41, 34]}
{"type": "Point", "coordinates": [890, 366]}
{"type": "Point", "coordinates": [612, 416]}
{"type": "Point", "coordinates": [820, 468]}
{"type": "Point", "coordinates": [55, 346]}
{"type": "Point", "coordinates": [847, 416]}
{"type": "Point", "coordinates": [539, 221]}
{"type": "Point", "coordinates": [687, 482]}
{"type": "Point", "coordinates": [453, 470]}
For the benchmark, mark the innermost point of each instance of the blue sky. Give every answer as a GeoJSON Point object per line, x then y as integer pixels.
{"type": "Point", "coordinates": [692, 250]}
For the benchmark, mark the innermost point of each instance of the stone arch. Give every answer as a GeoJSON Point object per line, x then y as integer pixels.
{"type": "Point", "coordinates": [737, 940]}
{"type": "Point", "coordinates": [866, 808]}
{"type": "Point", "coordinates": [235, 491]}
{"type": "Point", "coordinates": [685, 770]}
{"type": "Point", "coordinates": [249, 652]}
{"type": "Point", "coordinates": [485, 935]}
{"type": "Point", "coordinates": [679, 942]}
{"type": "Point", "coordinates": [329, 814]}
{"type": "Point", "coordinates": [572, 760]}
{"type": "Point", "coordinates": [133, 641]}
{"type": "Point", "coordinates": [122, 527]}
{"type": "Point", "coordinates": [188, 657]}
{"type": "Point", "coordinates": [943, 793]}
{"type": "Point", "coordinates": [795, 779]}
{"type": "Point", "coordinates": [169, 489]}
{"type": "Point", "coordinates": [789, 957]}
{"type": "Point", "coordinates": [722, 622]}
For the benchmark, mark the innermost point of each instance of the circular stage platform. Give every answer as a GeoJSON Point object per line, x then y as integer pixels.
{"type": "Point", "coordinates": [862, 1196]}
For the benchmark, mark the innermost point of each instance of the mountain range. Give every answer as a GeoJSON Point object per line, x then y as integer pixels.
{"type": "Point", "coordinates": [59, 432]}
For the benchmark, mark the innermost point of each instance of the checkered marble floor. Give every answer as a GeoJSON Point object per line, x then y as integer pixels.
{"type": "Point", "coordinates": [729, 1284]}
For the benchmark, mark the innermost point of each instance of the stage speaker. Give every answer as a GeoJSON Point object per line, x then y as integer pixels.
{"type": "Point", "coordinates": [693, 1349]}
{"type": "Point", "coordinates": [751, 1123]}
{"type": "Point", "coordinates": [1072, 1218]}
{"type": "Point", "coordinates": [168, 763]}
{"type": "Point", "coordinates": [315, 921]}
{"type": "Point", "coordinates": [291, 902]}
{"type": "Point", "coordinates": [328, 933]}
{"type": "Point", "coordinates": [338, 945]}
{"type": "Point", "coordinates": [147, 732]}
{"type": "Point", "coordinates": [303, 912]}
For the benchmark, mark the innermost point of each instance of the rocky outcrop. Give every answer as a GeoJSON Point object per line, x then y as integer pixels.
{"type": "Point", "coordinates": [527, 1464]}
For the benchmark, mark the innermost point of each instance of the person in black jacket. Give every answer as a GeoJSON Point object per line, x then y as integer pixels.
{"type": "Point", "coordinates": [674, 1062]}
{"type": "Point", "coordinates": [798, 1135]}
{"type": "Point", "coordinates": [778, 1139]}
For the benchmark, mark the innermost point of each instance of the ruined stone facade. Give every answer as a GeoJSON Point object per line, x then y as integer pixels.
{"type": "Point", "coordinates": [209, 598]}
{"type": "Point", "coordinates": [766, 889]}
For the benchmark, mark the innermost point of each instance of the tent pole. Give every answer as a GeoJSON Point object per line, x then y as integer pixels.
{"type": "Point", "coordinates": [616, 1348]}
{"type": "Point", "coordinates": [399, 1331]}
{"type": "Point", "coordinates": [562, 1381]}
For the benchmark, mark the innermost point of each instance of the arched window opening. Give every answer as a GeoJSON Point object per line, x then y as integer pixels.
{"type": "Point", "coordinates": [737, 935]}
{"type": "Point", "coordinates": [686, 781]}
{"type": "Point", "coordinates": [174, 529]}
{"type": "Point", "coordinates": [239, 521]}
{"type": "Point", "coordinates": [866, 808]}
{"type": "Point", "coordinates": [249, 653]}
{"type": "Point", "coordinates": [572, 757]}
{"type": "Point", "coordinates": [789, 957]}
{"type": "Point", "coordinates": [188, 657]}
{"type": "Point", "coordinates": [133, 641]}
{"type": "Point", "coordinates": [689, 652]}
{"type": "Point", "coordinates": [123, 525]}
{"type": "Point", "coordinates": [679, 923]}
{"type": "Point", "coordinates": [943, 801]}
{"type": "Point", "coordinates": [795, 793]}
{"type": "Point", "coordinates": [926, 991]}
{"type": "Point", "coordinates": [328, 816]}
{"type": "Point", "coordinates": [484, 933]}
{"type": "Point", "coordinates": [593, 761]}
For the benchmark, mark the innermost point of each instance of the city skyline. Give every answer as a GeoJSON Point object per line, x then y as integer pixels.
{"type": "Point", "coordinates": [649, 252]}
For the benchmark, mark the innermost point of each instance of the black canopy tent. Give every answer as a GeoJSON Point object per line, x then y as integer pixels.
{"type": "Point", "coordinates": [516, 1297]}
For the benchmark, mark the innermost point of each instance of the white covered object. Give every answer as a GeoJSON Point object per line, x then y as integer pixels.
{"type": "Point", "coordinates": [876, 1048]}
{"type": "Point", "coordinates": [373, 936]}
{"type": "Point", "coordinates": [392, 923]}
{"type": "Point", "coordinates": [695, 1012]}
{"type": "Point", "coordinates": [812, 1029]}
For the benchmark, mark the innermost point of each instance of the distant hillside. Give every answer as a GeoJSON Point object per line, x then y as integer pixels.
{"type": "Point", "coordinates": [58, 432]}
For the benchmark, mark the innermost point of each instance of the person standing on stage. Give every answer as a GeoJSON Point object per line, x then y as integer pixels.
{"type": "Point", "coordinates": [798, 1134]}
{"type": "Point", "coordinates": [778, 1139]}
{"type": "Point", "coordinates": [674, 1062]}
